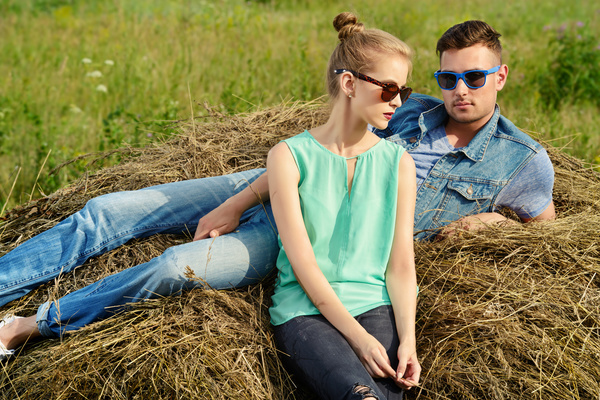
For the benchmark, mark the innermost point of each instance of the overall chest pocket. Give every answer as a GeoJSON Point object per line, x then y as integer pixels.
{"type": "Point", "coordinates": [463, 198]}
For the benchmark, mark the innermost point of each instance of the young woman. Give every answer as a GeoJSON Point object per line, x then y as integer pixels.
{"type": "Point", "coordinates": [343, 200]}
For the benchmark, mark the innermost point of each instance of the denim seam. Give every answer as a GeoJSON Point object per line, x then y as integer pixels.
{"type": "Point", "coordinates": [456, 178]}
{"type": "Point", "coordinates": [530, 146]}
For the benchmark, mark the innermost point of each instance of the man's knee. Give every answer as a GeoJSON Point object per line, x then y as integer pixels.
{"type": "Point", "coordinates": [101, 207]}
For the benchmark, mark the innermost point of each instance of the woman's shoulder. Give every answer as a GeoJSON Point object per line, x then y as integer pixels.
{"type": "Point", "coordinates": [300, 137]}
{"type": "Point", "coordinates": [278, 153]}
{"type": "Point", "coordinates": [393, 147]}
{"type": "Point", "coordinates": [285, 144]}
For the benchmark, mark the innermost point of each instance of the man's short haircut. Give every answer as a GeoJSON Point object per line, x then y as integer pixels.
{"type": "Point", "coordinates": [470, 33]}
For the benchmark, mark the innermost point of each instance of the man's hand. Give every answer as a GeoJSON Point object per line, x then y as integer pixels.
{"type": "Point", "coordinates": [472, 223]}
{"type": "Point", "coordinates": [226, 217]}
{"type": "Point", "coordinates": [221, 220]}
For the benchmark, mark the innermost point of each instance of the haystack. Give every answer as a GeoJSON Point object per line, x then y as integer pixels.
{"type": "Point", "coordinates": [507, 313]}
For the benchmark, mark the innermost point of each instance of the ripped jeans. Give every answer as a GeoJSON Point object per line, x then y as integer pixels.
{"type": "Point", "coordinates": [316, 354]}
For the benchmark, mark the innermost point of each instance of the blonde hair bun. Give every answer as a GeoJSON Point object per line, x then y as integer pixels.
{"type": "Point", "coordinates": [346, 24]}
{"type": "Point", "coordinates": [360, 49]}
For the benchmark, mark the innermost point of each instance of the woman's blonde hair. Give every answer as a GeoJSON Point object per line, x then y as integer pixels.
{"type": "Point", "coordinates": [360, 48]}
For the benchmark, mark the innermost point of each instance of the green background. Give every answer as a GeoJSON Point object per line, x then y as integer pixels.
{"type": "Point", "coordinates": [152, 62]}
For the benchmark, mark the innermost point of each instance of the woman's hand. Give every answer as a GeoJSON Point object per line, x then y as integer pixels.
{"type": "Point", "coordinates": [409, 369]}
{"type": "Point", "coordinates": [373, 356]}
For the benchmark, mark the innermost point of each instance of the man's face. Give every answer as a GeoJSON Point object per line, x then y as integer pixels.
{"type": "Point", "coordinates": [463, 104]}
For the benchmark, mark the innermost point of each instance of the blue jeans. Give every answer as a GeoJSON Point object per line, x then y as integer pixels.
{"type": "Point", "coordinates": [318, 355]}
{"type": "Point", "coordinates": [233, 260]}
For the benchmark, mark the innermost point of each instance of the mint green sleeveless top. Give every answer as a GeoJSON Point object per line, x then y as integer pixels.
{"type": "Point", "coordinates": [351, 233]}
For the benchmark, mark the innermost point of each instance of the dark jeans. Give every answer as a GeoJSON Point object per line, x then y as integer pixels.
{"type": "Point", "coordinates": [318, 355]}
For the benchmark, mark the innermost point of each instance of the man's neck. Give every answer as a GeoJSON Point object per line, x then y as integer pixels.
{"type": "Point", "coordinates": [460, 134]}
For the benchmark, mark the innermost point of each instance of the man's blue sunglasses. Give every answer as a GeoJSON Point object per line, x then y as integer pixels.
{"type": "Point", "coordinates": [474, 79]}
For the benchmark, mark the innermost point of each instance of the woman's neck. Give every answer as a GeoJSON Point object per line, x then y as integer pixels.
{"type": "Point", "coordinates": [344, 134]}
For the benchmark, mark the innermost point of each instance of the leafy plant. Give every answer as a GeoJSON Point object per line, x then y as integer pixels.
{"type": "Point", "coordinates": [573, 73]}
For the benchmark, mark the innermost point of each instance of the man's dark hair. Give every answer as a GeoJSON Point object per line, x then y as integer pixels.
{"type": "Point", "coordinates": [470, 33]}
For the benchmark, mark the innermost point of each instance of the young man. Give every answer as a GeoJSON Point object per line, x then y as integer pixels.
{"type": "Point", "coordinates": [470, 162]}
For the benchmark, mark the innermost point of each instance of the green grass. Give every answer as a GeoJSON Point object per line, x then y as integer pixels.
{"type": "Point", "coordinates": [238, 55]}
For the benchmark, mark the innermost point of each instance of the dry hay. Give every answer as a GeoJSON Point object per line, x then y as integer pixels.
{"type": "Point", "coordinates": [510, 312]}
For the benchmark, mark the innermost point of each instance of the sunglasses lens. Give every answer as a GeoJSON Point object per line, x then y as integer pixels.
{"type": "Point", "coordinates": [389, 92]}
{"type": "Point", "coordinates": [405, 93]}
{"type": "Point", "coordinates": [475, 79]}
{"type": "Point", "coordinates": [446, 81]}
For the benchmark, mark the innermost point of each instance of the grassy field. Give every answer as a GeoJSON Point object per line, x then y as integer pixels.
{"type": "Point", "coordinates": [84, 76]}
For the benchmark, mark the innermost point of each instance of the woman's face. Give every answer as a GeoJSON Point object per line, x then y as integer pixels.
{"type": "Point", "coordinates": [368, 103]}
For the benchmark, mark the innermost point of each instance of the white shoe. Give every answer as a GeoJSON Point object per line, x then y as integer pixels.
{"type": "Point", "coordinates": [4, 352]}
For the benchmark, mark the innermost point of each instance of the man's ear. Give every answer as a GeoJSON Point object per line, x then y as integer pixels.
{"type": "Point", "coordinates": [501, 77]}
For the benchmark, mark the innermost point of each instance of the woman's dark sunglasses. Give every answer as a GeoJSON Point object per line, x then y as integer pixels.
{"type": "Point", "coordinates": [474, 79]}
{"type": "Point", "coordinates": [388, 90]}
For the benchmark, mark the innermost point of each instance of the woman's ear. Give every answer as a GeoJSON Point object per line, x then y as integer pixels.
{"type": "Point", "coordinates": [347, 84]}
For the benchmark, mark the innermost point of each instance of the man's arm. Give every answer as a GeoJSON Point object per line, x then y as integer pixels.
{"type": "Point", "coordinates": [548, 214]}
{"type": "Point", "coordinates": [526, 194]}
{"type": "Point", "coordinates": [483, 220]}
{"type": "Point", "coordinates": [226, 217]}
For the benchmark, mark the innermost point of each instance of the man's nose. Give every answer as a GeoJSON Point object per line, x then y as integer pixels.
{"type": "Point", "coordinates": [461, 86]}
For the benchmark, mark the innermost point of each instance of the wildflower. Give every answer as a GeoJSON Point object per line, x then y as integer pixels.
{"type": "Point", "coordinates": [4, 112]}
{"type": "Point", "coordinates": [74, 109]}
{"type": "Point", "coordinates": [580, 24]}
{"type": "Point", "coordinates": [109, 62]}
{"type": "Point", "coordinates": [101, 88]}
{"type": "Point", "coordinates": [149, 135]}
{"type": "Point", "coordinates": [94, 74]}
{"type": "Point", "coordinates": [86, 61]}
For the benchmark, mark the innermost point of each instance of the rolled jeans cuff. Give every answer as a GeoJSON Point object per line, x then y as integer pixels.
{"type": "Point", "coordinates": [41, 319]}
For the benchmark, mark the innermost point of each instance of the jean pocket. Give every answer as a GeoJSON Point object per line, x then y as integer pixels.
{"type": "Point", "coordinates": [472, 191]}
